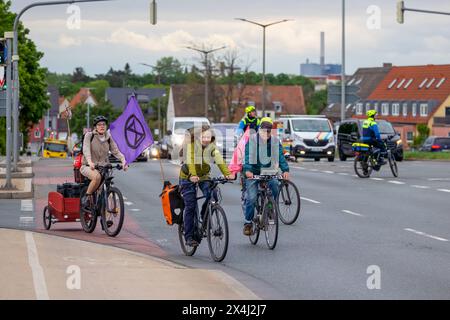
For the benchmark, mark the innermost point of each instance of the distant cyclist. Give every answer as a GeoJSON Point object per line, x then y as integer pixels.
{"type": "Point", "coordinates": [371, 135]}
{"type": "Point", "coordinates": [249, 121]}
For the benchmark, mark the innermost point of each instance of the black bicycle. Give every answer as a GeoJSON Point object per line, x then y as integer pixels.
{"type": "Point", "coordinates": [367, 160]}
{"type": "Point", "coordinates": [107, 204]}
{"type": "Point", "coordinates": [267, 212]}
{"type": "Point", "coordinates": [289, 203]}
{"type": "Point", "coordinates": [213, 226]}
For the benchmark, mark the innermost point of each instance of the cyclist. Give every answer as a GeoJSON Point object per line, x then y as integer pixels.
{"type": "Point", "coordinates": [262, 151]}
{"type": "Point", "coordinates": [200, 152]}
{"type": "Point", "coordinates": [249, 121]}
{"type": "Point", "coordinates": [96, 147]}
{"type": "Point", "coordinates": [371, 135]}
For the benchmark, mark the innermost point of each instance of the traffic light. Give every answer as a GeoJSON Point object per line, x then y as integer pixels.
{"type": "Point", "coordinates": [153, 15]}
{"type": "Point", "coordinates": [3, 52]}
{"type": "Point", "coordinates": [401, 12]}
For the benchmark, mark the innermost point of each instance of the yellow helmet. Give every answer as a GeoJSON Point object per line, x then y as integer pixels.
{"type": "Point", "coordinates": [371, 113]}
{"type": "Point", "coordinates": [250, 109]}
{"type": "Point", "coordinates": [266, 123]}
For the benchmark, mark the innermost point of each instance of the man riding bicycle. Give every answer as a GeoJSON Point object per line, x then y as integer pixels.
{"type": "Point", "coordinates": [200, 152]}
{"type": "Point", "coordinates": [262, 151]}
{"type": "Point", "coordinates": [371, 135]}
{"type": "Point", "coordinates": [249, 121]}
{"type": "Point", "coordinates": [96, 147]}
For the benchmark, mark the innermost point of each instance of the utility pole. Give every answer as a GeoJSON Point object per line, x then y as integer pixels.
{"type": "Point", "coordinates": [343, 80]}
{"type": "Point", "coordinates": [264, 26]}
{"type": "Point", "coordinates": [401, 11]}
{"type": "Point", "coordinates": [206, 52]}
{"type": "Point", "coordinates": [158, 76]}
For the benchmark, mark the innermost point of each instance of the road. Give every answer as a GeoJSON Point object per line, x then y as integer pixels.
{"type": "Point", "coordinates": [349, 231]}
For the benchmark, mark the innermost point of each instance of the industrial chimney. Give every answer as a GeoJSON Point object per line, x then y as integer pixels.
{"type": "Point", "coordinates": [322, 52]}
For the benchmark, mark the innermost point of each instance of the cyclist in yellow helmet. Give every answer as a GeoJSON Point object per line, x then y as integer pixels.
{"type": "Point", "coordinates": [371, 135]}
{"type": "Point", "coordinates": [249, 121]}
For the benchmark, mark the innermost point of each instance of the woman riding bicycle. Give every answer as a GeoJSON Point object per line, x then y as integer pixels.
{"type": "Point", "coordinates": [261, 151]}
{"type": "Point", "coordinates": [96, 147]}
{"type": "Point", "coordinates": [200, 152]}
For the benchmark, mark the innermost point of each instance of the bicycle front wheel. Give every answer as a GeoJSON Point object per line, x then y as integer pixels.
{"type": "Point", "coordinates": [362, 165]}
{"type": "Point", "coordinates": [288, 202]}
{"type": "Point", "coordinates": [393, 165]}
{"type": "Point", "coordinates": [217, 233]}
{"type": "Point", "coordinates": [113, 212]}
{"type": "Point", "coordinates": [270, 218]}
{"type": "Point", "coordinates": [88, 219]}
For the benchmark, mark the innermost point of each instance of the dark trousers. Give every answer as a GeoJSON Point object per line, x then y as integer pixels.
{"type": "Point", "coordinates": [189, 193]}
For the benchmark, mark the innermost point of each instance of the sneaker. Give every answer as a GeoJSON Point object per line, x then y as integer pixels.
{"type": "Point", "coordinates": [191, 243]}
{"type": "Point", "coordinates": [248, 229]}
{"type": "Point", "coordinates": [86, 202]}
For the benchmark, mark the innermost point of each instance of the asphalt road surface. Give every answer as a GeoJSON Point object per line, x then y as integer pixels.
{"type": "Point", "coordinates": [378, 238]}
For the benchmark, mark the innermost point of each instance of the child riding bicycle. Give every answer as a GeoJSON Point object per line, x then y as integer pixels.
{"type": "Point", "coordinates": [262, 151]}
{"type": "Point", "coordinates": [200, 152]}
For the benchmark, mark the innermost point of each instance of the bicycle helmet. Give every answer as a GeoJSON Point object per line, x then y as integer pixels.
{"type": "Point", "coordinates": [371, 113]}
{"type": "Point", "coordinates": [266, 123]}
{"type": "Point", "coordinates": [100, 119]}
{"type": "Point", "coordinates": [250, 109]}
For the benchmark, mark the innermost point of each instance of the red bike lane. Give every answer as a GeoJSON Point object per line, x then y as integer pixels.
{"type": "Point", "coordinates": [47, 175]}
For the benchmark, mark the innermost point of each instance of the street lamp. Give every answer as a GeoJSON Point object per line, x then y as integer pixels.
{"type": "Point", "coordinates": [343, 80]}
{"type": "Point", "coordinates": [206, 52]}
{"type": "Point", "coordinates": [401, 11]}
{"type": "Point", "coordinates": [264, 26]}
{"type": "Point", "coordinates": [159, 98]}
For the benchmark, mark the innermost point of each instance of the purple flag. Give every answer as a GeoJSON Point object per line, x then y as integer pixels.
{"type": "Point", "coordinates": [130, 131]}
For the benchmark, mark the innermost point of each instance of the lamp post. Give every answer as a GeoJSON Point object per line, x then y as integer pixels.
{"type": "Point", "coordinates": [264, 26]}
{"type": "Point", "coordinates": [158, 75]}
{"type": "Point", "coordinates": [206, 52]}
{"type": "Point", "coordinates": [401, 11]}
{"type": "Point", "coordinates": [343, 81]}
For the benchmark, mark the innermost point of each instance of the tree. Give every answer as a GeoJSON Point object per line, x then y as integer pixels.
{"type": "Point", "coordinates": [170, 71]}
{"type": "Point", "coordinates": [317, 102]}
{"type": "Point", "coordinates": [79, 75]}
{"type": "Point", "coordinates": [33, 89]}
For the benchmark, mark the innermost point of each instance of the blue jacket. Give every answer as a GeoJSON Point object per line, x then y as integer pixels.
{"type": "Point", "coordinates": [245, 123]}
{"type": "Point", "coordinates": [258, 155]}
{"type": "Point", "coordinates": [370, 130]}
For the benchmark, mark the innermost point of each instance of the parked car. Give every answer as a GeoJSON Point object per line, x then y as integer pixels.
{"type": "Point", "coordinates": [225, 139]}
{"type": "Point", "coordinates": [436, 144]}
{"type": "Point", "coordinates": [312, 136]}
{"type": "Point", "coordinates": [350, 131]}
{"type": "Point", "coordinates": [176, 131]}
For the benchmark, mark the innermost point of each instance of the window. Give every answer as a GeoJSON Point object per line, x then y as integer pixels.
{"type": "Point", "coordinates": [405, 109]}
{"type": "Point", "coordinates": [410, 136]}
{"type": "Point", "coordinates": [351, 82]}
{"type": "Point", "coordinates": [409, 83]}
{"type": "Point", "coordinates": [385, 109]}
{"type": "Point", "coordinates": [359, 81]}
{"type": "Point", "coordinates": [395, 109]}
{"type": "Point", "coordinates": [447, 112]}
{"type": "Point", "coordinates": [424, 109]}
{"type": "Point", "coordinates": [392, 83]}
{"type": "Point", "coordinates": [348, 106]}
{"type": "Point", "coordinates": [331, 106]}
{"type": "Point", "coordinates": [414, 109]}
{"type": "Point", "coordinates": [375, 106]}
{"type": "Point", "coordinates": [401, 83]}
{"type": "Point", "coordinates": [440, 83]}
{"type": "Point", "coordinates": [278, 106]}
{"type": "Point", "coordinates": [368, 106]}
{"type": "Point", "coordinates": [359, 108]}
{"type": "Point", "coordinates": [431, 83]}
{"type": "Point", "coordinates": [37, 134]}
{"type": "Point", "coordinates": [423, 83]}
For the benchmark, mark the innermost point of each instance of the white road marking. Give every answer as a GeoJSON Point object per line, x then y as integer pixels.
{"type": "Point", "coordinates": [125, 198]}
{"type": "Point", "coordinates": [26, 220]}
{"type": "Point", "coordinates": [425, 235]}
{"type": "Point", "coordinates": [331, 172]}
{"type": "Point", "coordinates": [310, 200]}
{"type": "Point", "coordinates": [377, 179]}
{"type": "Point", "coordinates": [128, 203]}
{"type": "Point", "coordinates": [300, 168]}
{"type": "Point", "coordinates": [343, 174]}
{"type": "Point", "coordinates": [26, 205]}
{"type": "Point", "coordinates": [420, 187]}
{"type": "Point", "coordinates": [396, 182]}
{"type": "Point", "coordinates": [439, 179]}
{"type": "Point", "coordinates": [135, 210]}
{"type": "Point", "coordinates": [443, 190]}
{"type": "Point", "coordinates": [313, 170]}
{"type": "Point", "coordinates": [40, 286]}
{"type": "Point", "coordinates": [352, 213]}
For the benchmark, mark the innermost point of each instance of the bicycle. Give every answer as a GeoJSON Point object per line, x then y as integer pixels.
{"type": "Point", "coordinates": [367, 160]}
{"type": "Point", "coordinates": [289, 203]}
{"type": "Point", "coordinates": [267, 212]}
{"type": "Point", "coordinates": [107, 204]}
{"type": "Point", "coordinates": [213, 226]}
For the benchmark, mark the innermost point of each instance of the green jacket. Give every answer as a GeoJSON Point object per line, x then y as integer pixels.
{"type": "Point", "coordinates": [198, 159]}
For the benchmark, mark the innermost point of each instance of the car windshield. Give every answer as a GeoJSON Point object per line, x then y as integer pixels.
{"type": "Point", "coordinates": [386, 127]}
{"type": "Point", "coordinates": [55, 147]}
{"type": "Point", "coordinates": [442, 141]}
{"type": "Point", "coordinates": [224, 129]}
{"type": "Point", "coordinates": [184, 125]}
{"type": "Point", "coordinates": [311, 125]}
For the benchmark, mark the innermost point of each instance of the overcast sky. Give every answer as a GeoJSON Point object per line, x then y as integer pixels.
{"type": "Point", "coordinates": [113, 33]}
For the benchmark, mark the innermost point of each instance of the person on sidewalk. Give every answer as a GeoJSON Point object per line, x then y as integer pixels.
{"type": "Point", "coordinates": [200, 152]}
{"type": "Point", "coordinates": [96, 147]}
{"type": "Point", "coordinates": [262, 151]}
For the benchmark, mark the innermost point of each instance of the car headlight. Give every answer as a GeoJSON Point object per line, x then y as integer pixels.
{"type": "Point", "coordinates": [331, 140]}
{"type": "Point", "coordinates": [154, 152]}
{"type": "Point", "coordinates": [164, 147]}
{"type": "Point", "coordinates": [178, 139]}
{"type": "Point", "coordinates": [399, 142]}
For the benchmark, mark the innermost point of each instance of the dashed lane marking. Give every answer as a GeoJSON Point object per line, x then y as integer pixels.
{"type": "Point", "coordinates": [420, 187]}
{"type": "Point", "coordinates": [26, 205]}
{"type": "Point", "coordinates": [40, 287]}
{"type": "Point", "coordinates": [396, 182]}
{"type": "Point", "coordinates": [310, 200]}
{"type": "Point", "coordinates": [443, 190]}
{"type": "Point", "coordinates": [352, 213]}
{"type": "Point", "coordinates": [425, 235]}
{"type": "Point", "coordinates": [128, 203]}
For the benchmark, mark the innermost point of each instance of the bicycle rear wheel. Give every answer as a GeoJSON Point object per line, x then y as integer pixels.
{"type": "Point", "coordinates": [362, 166]}
{"type": "Point", "coordinates": [113, 212]}
{"type": "Point", "coordinates": [187, 250]}
{"type": "Point", "coordinates": [88, 219]}
{"type": "Point", "coordinates": [393, 164]}
{"type": "Point", "coordinates": [270, 218]}
{"type": "Point", "coordinates": [217, 233]}
{"type": "Point", "coordinates": [288, 202]}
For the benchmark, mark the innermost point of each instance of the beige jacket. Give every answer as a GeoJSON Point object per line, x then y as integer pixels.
{"type": "Point", "coordinates": [98, 151]}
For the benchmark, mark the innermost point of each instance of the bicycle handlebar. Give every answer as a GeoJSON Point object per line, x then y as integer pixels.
{"type": "Point", "coordinates": [108, 166]}
{"type": "Point", "coordinates": [266, 177]}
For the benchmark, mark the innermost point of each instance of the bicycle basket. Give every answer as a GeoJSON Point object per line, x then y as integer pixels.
{"type": "Point", "coordinates": [172, 204]}
{"type": "Point", "coordinates": [358, 147]}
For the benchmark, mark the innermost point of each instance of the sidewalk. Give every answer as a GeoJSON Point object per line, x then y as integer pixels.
{"type": "Point", "coordinates": [21, 180]}
{"type": "Point", "coordinates": [41, 266]}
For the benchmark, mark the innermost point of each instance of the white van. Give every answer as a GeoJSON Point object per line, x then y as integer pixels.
{"type": "Point", "coordinates": [311, 136]}
{"type": "Point", "coordinates": [177, 129]}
